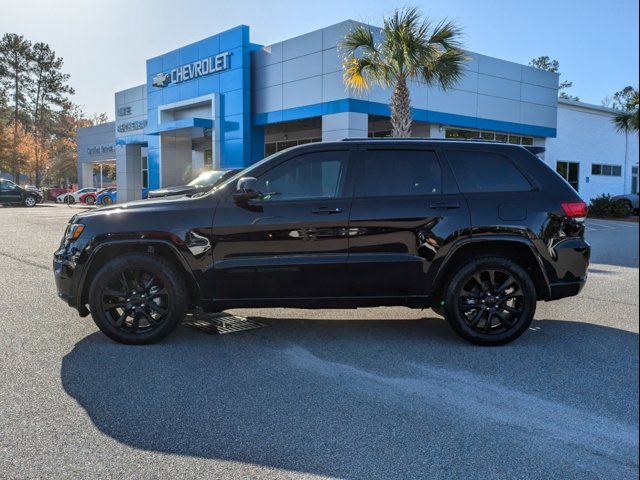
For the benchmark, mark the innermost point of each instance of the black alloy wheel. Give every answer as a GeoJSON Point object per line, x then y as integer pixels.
{"type": "Point", "coordinates": [137, 299]}
{"type": "Point", "coordinates": [490, 301]}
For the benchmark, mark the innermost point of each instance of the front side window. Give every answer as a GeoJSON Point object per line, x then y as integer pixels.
{"type": "Point", "coordinates": [392, 173]}
{"type": "Point", "coordinates": [307, 176]}
{"type": "Point", "coordinates": [7, 185]}
{"type": "Point", "coordinates": [478, 172]}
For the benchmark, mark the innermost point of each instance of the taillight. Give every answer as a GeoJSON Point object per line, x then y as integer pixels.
{"type": "Point", "coordinates": [575, 210]}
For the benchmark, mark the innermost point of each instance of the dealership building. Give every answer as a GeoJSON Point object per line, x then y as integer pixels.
{"type": "Point", "coordinates": [226, 102]}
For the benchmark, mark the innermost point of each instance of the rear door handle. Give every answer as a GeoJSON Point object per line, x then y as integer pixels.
{"type": "Point", "coordinates": [444, 205]}
{"type": "Point", "coordinates": [326, 210]}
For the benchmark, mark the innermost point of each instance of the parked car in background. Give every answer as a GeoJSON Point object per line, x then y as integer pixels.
{"type": "Point", "coordinates": [13, 194]}
{"type": "Point", "coordinates": [90, 198]}
{"type": "Point", "coordinates": [73, 197]}
{"type": "Point", "coordinates": [202, 183]}
{"type": "Point", "coordinates": [632, 200]}
{"type": "Point", "coordinates": [110, 196]}
{"type": "Point", "coordinates": [53, 193]}
{"type": "Point", "coordinates": [477, 231]}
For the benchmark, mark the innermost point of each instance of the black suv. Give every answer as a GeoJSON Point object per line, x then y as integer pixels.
{"type": "Point", "coordinates": [478, 231]}
{"type": "Point", "coordinates": [12, 194]}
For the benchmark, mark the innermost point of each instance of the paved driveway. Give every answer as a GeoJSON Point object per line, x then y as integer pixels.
{"type": "Point", "coordinates": [382, 393]}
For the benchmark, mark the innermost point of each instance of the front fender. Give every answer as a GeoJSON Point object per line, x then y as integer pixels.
{"type": "Point", "coordinates": [96, 252]}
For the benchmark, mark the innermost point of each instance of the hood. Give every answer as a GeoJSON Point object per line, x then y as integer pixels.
{"type": "Point", "coordinates": [142, 206]}
{"type": "Point", "coordinates": [178, 189]}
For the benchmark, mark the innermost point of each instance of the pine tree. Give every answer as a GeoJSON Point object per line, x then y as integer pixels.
{"type": "Point", "coordinates": [15, 65]}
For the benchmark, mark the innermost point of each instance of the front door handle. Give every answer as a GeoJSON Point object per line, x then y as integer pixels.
{"type": "Point", "coordinates": [444, 205]}
{"type": "Point", "coordinates": [326, 210]}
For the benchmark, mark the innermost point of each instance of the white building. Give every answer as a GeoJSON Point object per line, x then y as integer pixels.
{"type": "Point", "coordinates": [590, 153]}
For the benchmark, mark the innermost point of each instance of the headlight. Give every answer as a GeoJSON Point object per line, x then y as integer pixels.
{"type": "Point", "coordinates": [74, 231]}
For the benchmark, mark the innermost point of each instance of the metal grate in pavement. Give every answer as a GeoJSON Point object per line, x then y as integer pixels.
{"type": "Point", "coordinates": [220, 323]}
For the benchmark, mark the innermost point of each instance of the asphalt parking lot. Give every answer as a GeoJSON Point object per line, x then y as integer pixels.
{"type": "Point", "coordinates": [380, 393]}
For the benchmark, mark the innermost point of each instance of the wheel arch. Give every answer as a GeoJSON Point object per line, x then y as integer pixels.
{"type": "Point", "coordinates": [519, 249]}
{"type": "Point", "coordinates": [105, 251]}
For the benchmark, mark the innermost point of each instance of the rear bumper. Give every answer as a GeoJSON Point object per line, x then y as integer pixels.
{"type": "Point", "coordinates": [568, 270]}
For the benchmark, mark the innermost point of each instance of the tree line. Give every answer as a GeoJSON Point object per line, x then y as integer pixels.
{"type": "Point", "coordinates": [38, 121]}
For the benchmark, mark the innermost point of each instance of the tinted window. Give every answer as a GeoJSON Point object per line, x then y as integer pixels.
{"type": "Point", "coordinates": [486, 172]}
{"type": "Point", "coordinates": [311, 175]}
{"type": "Point", "coordinates": [399, 173]}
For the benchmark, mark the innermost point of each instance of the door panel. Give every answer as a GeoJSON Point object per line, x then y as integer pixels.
{"type": "Point", "coordinates": [400, 219]}
{"type": "Point", "coordinates": [291, 243]}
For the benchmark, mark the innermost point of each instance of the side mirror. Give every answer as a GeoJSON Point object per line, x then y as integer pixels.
{"type": "Point", "coordinates": [246, 189]}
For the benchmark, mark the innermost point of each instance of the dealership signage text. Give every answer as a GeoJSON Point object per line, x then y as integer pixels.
{"type": "Point", "coordinates": [191, 71]}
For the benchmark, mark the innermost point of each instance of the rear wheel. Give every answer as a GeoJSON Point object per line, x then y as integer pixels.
{"type": "Point", "coordinates": [70, 199]}
{"type": "Point", "coordinates": [107, 200]}
{"type": "Point", "coordinates": [490, 301]}
{"type": "Point", "coordinates": [137, 299]}
{"type": "Point", "coordinates": [30, 201]}
{"type": "Point", "coordinates": [90, 200]}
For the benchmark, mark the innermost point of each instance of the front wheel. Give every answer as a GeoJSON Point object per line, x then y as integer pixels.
{"type": "Point", "coordinates": [137, 299]}
{"type": "Point", "coordinates": [30, 201]}
{"type": "Point", "coordinates": [90, 200]}
{"type": "Point", "coordinates": [490, 301]}
{"type": "Point", "coordinates": [107, 200]}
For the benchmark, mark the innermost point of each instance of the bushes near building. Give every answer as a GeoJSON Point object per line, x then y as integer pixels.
{"type": "Point", "coordinates": [606, 207]}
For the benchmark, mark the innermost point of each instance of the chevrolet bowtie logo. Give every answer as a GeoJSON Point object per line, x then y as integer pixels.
{"type": "Point", "coordinates": [161, 80]}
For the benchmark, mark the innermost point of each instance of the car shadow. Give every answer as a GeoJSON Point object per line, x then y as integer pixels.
{"type": "Point", "coordinates": [371, 399]}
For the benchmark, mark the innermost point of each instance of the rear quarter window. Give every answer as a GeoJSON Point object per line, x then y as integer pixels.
{"type": "Point", "coordinates": [478, 172]}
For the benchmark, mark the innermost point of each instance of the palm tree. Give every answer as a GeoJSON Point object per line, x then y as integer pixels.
{"type": "Point", "coordinates": [409, 48]}
{"type": "Point", "coordinates": [627, 121]}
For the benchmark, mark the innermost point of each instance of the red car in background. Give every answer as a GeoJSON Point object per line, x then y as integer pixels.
{"type": "Point", "coordinates": [89, 198]}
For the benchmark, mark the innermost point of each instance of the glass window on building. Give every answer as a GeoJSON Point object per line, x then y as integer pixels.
{"type": "Point", "coordinates": [380, 134]}
{"type": "Point", "coordinates": [466, 134]}
{"type": "Point", "coordinates": [145, 172]}
{"type": "Point", "coordinates": [634, 179]}
{"type": "Point", "coordinates": [606, 170]}
{"type": "Point", "coordinates": [570, 171]}
{"type": "Point", "coordinates": [274, 147]}
{"type": "Point", "coordinates": [208, 159]}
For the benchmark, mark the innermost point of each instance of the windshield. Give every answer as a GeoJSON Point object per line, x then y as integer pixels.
{"type": "Point", "coordinates": [207, 178]}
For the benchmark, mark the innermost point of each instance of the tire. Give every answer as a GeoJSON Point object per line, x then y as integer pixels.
{"type": "Point", "coordinates": [123, 320]}
{"type": "Point", "coordinates": [476, 301]}
{"type": "Point", "coordinates": [30, 201]}
{"type": "Point", "coordinates": [70, 200]}
{"type": "Point", "coordinates": [107, 200]}
{"type": "Point", "coordinates": [90, 200]}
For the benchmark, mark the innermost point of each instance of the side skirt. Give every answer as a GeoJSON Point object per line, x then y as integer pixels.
{"type": "Point", "coordinates": [316, 303]}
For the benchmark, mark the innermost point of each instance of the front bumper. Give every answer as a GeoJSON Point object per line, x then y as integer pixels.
{"type": "Point", "coordinates": [67, 272]}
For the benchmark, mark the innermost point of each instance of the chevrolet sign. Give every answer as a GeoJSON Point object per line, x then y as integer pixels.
{"type": "Point", "coordinates": [191, 71]}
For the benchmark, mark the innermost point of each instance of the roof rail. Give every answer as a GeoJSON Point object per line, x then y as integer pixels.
{"type": "Point", "coordinates": [532, 148]}
{"type": "Point", "coordinates": [412, 139]}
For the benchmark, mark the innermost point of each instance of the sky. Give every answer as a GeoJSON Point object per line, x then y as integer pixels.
{"type": "Point", "coordinates": [105, 43]}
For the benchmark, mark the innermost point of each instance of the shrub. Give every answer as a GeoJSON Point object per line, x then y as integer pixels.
{"type": "Point", "coordinates": [605, 206]}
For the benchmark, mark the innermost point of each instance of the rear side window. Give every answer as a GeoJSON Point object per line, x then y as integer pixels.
{"type": "Point", "coordinates": [390, 173]}
{"type": "Point", "coordinates": [486, 172]}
